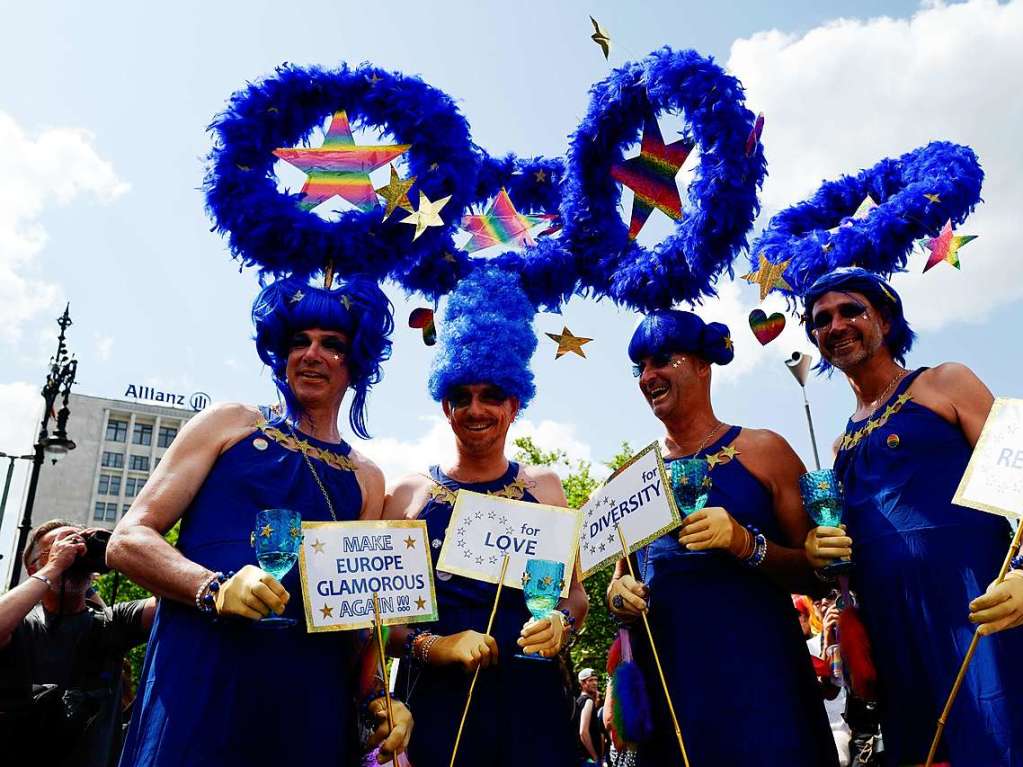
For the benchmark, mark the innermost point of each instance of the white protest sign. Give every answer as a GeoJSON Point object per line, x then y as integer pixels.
{"type": "Point", "coordinates": [993, 480]}
{"type": "Point", "coordinates": [637, 498]}
{"type": "Point", "coordinates": [484, 528]}
{"type": "Point", "coordinates": [344, 563]}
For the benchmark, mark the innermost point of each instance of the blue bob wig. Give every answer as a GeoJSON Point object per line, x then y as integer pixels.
{"type": "Point", "coordinates": [676, 331]}
{"type": "Point", "coordinates": [356, 307]}
{"type": "Point", "coordinates": [487, 336]}
{"type": "Point", "coordinates": [882, 296]}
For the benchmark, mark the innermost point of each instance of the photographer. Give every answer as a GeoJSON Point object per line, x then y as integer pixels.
{"type": "Point", "coordinates": [61, 656]}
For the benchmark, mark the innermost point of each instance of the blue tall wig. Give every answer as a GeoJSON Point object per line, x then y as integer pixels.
{"type": "Point", "coordinates": [676, 331]}
{"type": "Point", "coordinates": [898, 339]}
{"type": "Point", "coordinates": [486, 336]}
{"type": "Point", "coordinates": [356, 307]}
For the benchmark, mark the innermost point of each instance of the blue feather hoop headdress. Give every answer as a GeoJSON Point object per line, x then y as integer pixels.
{"type": "Point", "coordinates": [915, 195]}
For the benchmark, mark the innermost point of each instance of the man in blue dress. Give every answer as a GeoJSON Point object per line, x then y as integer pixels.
{"type": "Point", "coordinates": [717, 591]}
{"type": "Point", "coordinates": [217, 688]}
{"type": "Point", "coordinates": [920, 559]}
{"type": "Point", "coordinates": [520, 713]}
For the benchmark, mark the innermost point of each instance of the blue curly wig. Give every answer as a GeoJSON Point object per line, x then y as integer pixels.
{"type": "Point", "coordinates": [367, 320]}
{"type": "Point", "coordinates": [676, 331]}
{"type": "Point", "coordinates": [882, 297]}
{"type": "Point", "coordinates": [486, 336]}
{"type": "Point", "coordinates": [915, 193]}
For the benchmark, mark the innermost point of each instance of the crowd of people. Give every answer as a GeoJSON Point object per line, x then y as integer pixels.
{"type": "Point", "coordinates": [716, 592]}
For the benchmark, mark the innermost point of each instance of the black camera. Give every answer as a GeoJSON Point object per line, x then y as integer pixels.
{"type": "Point", "coordinates": [94, 560]}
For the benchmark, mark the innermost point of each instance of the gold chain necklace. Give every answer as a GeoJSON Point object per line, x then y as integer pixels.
{"type": "Point", "coordinates": [316, 476]}
{"type": "Point", "coordinates": [703, 444]}
{"type": "Point", "coordinates": [877, 403]}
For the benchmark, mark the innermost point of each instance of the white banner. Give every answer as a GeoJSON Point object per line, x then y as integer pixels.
{"type": "Point", "coordinates": [484, 528]}
{"type": "Point", "coordinates": [638, 499]}
{"type": "Point", "coordinates": [993, 480]}
{"type": "Point", "coordinates": [344, 563]}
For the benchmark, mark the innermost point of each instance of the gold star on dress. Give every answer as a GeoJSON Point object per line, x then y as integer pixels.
{"type": "Point", "coordinates": [327, 612]}
{"type": "Point", "coordinates": [410, 542]}
{"type": "Point", "coordinates": [318, 546]}
{"type": "Point", "coordinates": [729, 452]}
{"type": "Point", "coordinates": [428, 214]}
{"type": "Point", "coordinates": [768, 276]}
{"type": "Point", "coordinates": [395, 194]}
{"type": "Point", "coordinates": [713, 460]}
{"type": "Point", "coordinates": [707, 482]}
{"type": "Point", "coordinates": [267, 531]}
{"type": "Point", "coordinates": [568, 342]}
{"type": "Point", "coordinates": [420, 603]}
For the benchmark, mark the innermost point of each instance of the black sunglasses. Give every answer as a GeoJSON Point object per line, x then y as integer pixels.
{"type": "Point", "coordinates": [658, 360]}
{"type": "Point", "coordinates": [461, 396]}
{"type": "Point", "coordinates": [847, 311]}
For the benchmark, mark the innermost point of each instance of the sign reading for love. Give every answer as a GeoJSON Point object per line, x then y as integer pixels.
{"type": "Point", "coordinates": [343, 564]}
{"type": "Point", "coordinates": [484, 528]}
{"type": "Point", "coordinates": [638, 499]}
{"type": "Point", "coordinates": [993, 480]}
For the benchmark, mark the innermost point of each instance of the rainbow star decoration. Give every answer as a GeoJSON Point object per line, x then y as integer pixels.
{"type": "Point", "coordinates": [340, 168]}
{"type": "Point", "coordinates": [501, 224]}
{"type": "Point", "coordinates": [945, 247]}
{"type": "Point", "coordinates": [651, 176]}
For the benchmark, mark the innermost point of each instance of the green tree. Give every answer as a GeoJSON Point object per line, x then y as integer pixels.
{"type": "Point", "coordinates": [128, 590]}
{"type": "Point", "coordinates": [599, 632]}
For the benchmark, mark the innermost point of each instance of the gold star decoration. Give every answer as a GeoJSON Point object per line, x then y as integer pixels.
{"type": "Point", "coordinates": [546, 581]}
{"type": "Point", "coordinates": [295, 532]}
{"type": "Point", "coordinates": [525, 579]}
{"type": "Point", "coordinates": [713, 460]}
{"type": "Point", "coordinates": [428, 215]}
{"type": "Point", "coordinates": [449, 257]}
{"type": "Point", "coordinates": [823, 485]}
{"type": "Point", "coordinates": [434, 166]}
{"type": "Point", "coordinates": [395, 194]}
{"type": "Point", "coordinates": [728, 342]}
{"type": "Point", "coordinates": [347, 303]}
{"type": "Point", "coordinates": [420, 603]}
{"type": "Point", "coordinates": [933, 197]}
{"type": "Point", "coordinates": [410, 542]}
{"type": "Point", "coordinates": [318, 546]}
{"type": "Point", "coordinates": [683, 480]}
{"type": "Point", "coordinates": [729, 452]}
{"type": "Point", "coordinates": [327, 612]}
{"type": "Point", "coordinates": [296, 297]}
{"type": "Point", "coordinates": [568, 342]}
{"type": "Point", "coordinates": [707, 482]}
{"type": "Point", "coordinates": [540, 175]}
{"type": "Point", "coordinates": [601, 38]}
{"type": "Point", "coordinates": [768, 276]}
{"type": "Point", "coordinates": [267, 531]}
{"type": "Point", "coordinates": [373, 79]}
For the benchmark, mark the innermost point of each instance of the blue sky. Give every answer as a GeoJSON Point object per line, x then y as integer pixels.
{"type": "Point", "coordinates": [103, 110]}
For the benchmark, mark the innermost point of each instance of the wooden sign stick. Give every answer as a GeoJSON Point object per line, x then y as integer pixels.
{"type": "Point", "coordinates": [377, 627]}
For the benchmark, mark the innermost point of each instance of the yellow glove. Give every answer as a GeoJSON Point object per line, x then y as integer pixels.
{"type": "Point", "coordinates": [626, 597]}
{"type": "Point", "coordinates": [466, 648]}
{"type": "Point", "coordinates": [545, 637]}
{"type": "Point", "coordinates": [251, 593]}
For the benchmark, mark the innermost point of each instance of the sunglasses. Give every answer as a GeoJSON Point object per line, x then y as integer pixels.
{"type": "Point", "coordinates": [847, 311]}
{"type": "Point", "coordinates": [659, 360]}
{"type": "Point", "coordinates": [461, 396]}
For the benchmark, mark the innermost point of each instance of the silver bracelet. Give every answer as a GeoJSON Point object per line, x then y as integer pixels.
{"type": "Point", "coordinates": [44, 579]}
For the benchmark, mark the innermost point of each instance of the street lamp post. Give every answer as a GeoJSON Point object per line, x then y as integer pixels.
{"type": "Point", "coordinates": [59, 380]}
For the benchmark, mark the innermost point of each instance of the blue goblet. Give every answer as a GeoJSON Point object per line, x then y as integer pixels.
{"type": "Point", "coordinates": [691, 483]}
{"type": "Point", "coordinates": [276, 539]}
{"type": "Point", "coordinates": [542, 583]}
{"type": "Point", "coordinates": [823, 500]}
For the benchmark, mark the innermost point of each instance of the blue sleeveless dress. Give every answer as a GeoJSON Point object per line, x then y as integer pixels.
{"type": "Point", "coordinates": [520, 712]}
{"type": "Point", "coordinates": [919, 561]}
{"type": "Point", "coordinates": [227, 692]}
{"type": "Point", "coordinates": [741, 679]}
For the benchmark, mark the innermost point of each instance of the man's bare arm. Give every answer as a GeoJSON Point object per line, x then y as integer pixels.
{"type": "Point", "coordinates": [138, 548]}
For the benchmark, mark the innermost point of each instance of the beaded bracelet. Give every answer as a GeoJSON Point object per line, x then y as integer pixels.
{"type": "Point", "coordinates": [410, 640]}
{"type": "Point", "coordinates": [205, 595]}
{"type": "Point", "coordinates": [1016, 563]}
{"type": "Point", "coordinates": [570, 625]}
{"type": "Point", "coordinates": [421, 648]}
{"type": "Point", "coordinates": [759, 553]}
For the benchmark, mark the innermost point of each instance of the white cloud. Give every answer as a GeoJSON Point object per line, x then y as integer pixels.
{"type": "Point", "coordinates": [851, 92]}
{"type": "Point", "coordinates": [56, 166]}
{"type": "Point", "coordinates": [398, 457]}
{"type": "Point", "coordinates": [104, 347]}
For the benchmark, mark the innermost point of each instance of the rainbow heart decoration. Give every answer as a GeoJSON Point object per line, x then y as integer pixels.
{"type": "Point", "coordinates": [423, 318]}
{"type": "Point", "coordinates": [765, 328]}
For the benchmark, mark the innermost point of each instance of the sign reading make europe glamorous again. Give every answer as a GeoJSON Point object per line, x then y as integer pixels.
{"type": "Point", "coordinates": [993, 480]}
{"type": "Point", "coordinates": [638, 499]}
{"type": "Point", "coordinates": [484, 528]}
{"type": "Point", "coordinates": [343, 564]}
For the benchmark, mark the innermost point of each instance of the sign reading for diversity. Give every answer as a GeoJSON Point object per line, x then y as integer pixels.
{"type": "Point", "coordinates": [484, 528]}
{"type": "Point", "coordinates": [344, 563]}
{"type": "Point", "coordinates": [637, 499]}
{"type": "Point", "coordinates": [993, 480]}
